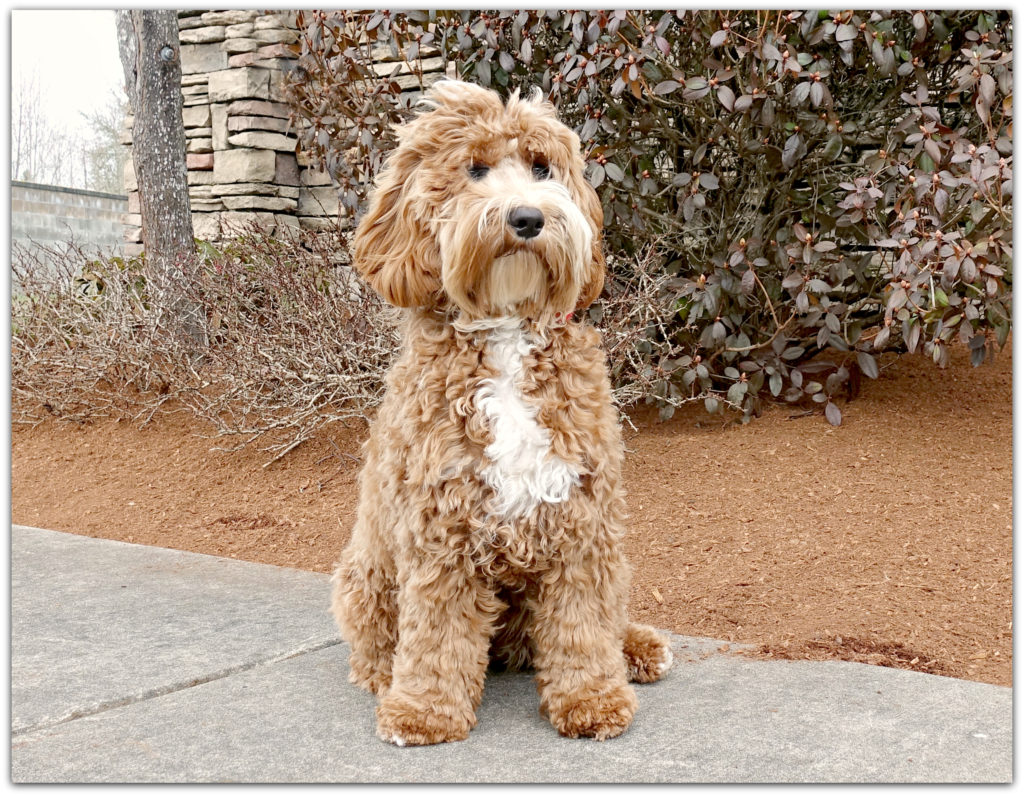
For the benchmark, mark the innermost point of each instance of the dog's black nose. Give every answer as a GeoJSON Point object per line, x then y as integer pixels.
{"type": "Point", "coordinates": [526, 221]}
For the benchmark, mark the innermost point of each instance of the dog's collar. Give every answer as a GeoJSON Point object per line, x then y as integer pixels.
{"type": "Point", "coordinates": [509, 323]}
{"type": "Point", "coordinates": [486, 324]}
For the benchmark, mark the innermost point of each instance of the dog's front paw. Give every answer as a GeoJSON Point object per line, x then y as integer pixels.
{"type": "Point", "coordinates": [647, 652]}
{"type": "Point", "coordinates": [593, 713]}
{"type": "Point", "coordinates": [406, 723]}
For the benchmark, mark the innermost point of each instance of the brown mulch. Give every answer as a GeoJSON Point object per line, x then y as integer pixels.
{"type": "Point", "coordinates": [887, 540]}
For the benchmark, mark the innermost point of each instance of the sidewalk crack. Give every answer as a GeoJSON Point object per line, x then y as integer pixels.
{"type": "Point", "coordinates": [17, 733]}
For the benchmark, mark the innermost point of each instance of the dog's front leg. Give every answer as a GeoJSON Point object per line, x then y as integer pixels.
{"type": "Point", "coordinates": [445, 618]}
{"type": "Point", "coordinates": [579, 620]}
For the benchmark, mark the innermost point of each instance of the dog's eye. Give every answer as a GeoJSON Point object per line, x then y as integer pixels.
{"type": "Point", "coordinates": [478, 172]}
{"type": "Point", "coordinates": [541, 171]}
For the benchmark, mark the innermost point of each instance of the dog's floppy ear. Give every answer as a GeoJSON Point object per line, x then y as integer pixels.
{"type": "Point", "coordinates": [392, 249]}
{"type": "Point", "coordinates": [588, 201]}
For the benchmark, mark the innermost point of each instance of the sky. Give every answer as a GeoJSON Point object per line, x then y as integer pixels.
{"type": "Point", "coordinates": [74, 53]}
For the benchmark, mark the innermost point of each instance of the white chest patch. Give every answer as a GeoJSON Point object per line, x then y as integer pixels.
{"type": "Point", "coordinates": [522, 470]}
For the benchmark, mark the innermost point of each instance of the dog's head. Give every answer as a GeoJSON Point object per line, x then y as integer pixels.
{"type": "Point", "coordinates": [483, 206]}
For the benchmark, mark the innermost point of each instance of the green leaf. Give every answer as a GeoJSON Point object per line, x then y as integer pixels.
{"type": "Point", "coordinates": [708, 181]}
{"type": "Point", "coordinates": [1002, 332]}
{"type": "Point", "coordinates": [880, 340]}
{"type": "Point", "coordinates": [483, 72]}
{"type": "Point", "coordinates": [727, 97]}
{"type": "Point", "coordinates": [833, 147]}
{"type": "Point", "coordinates": [800, 94]}
{"type": "Point", "coordinates": [736, 392]}
{"type": "Point", "coordinates": [867, 363]}
{"type": "Point", "coordinates": [846, 33]}
{"type": "Point", "coordinates": [897, 299]}
{"type": "Point", "coordinates": [791, 150]}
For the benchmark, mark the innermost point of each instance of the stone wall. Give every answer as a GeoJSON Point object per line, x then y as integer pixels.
{"type": "Point", "coordinates": [48, 215]}
{"type": "Point", "coordinates": [240, 149]}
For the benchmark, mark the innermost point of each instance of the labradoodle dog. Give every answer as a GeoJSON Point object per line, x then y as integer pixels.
{"type": "Point", "coordinates": [490, 517]}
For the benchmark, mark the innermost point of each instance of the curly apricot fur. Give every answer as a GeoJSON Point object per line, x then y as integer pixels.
{"type": "Point", "coordinates": [440, 577]}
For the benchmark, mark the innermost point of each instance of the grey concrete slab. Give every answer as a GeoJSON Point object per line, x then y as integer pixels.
{"type": "Point", "coordinates": [716, 717]}
{"type": "Point", "coordinates": [720, 719]}
{"type": "Point", "coordinates": [97, 622]}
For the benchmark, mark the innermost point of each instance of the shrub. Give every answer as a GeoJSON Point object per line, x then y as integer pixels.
{"type": "Point", "coordinates": [288, 340]}
{"type": "Point", "coordinates": [808, 181]}
{"type": "Point", "coordinates": [296, 340]}
{"type": "Point", "coordinates": [85, 334]}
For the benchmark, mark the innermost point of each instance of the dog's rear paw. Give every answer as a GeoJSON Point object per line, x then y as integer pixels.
{"type": "Point", "coordinates": [404, 723]}
{"type": "Point", "coordinates": [598, 714]}
{"type": "Point", "coordinates": [373, 681]}
{"type": "Point", "coordinates": [647, 652]}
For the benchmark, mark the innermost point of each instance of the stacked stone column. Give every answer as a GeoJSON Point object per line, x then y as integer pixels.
{"type": "Point", "coordinates": [240, 149]}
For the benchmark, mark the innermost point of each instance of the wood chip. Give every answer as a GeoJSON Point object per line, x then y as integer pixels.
{"type": "Point", "coordinates": [658, 597]}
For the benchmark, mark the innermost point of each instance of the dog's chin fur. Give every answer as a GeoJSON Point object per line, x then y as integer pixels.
{"type": "Point", "coordinates": [512, 280]}
{"type": "Point", "coordinates": [490, 513]}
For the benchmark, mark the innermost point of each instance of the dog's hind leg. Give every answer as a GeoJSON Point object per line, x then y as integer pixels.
{"type": "Point", "coordinates": [510, 647]}
{"type": "Point", "coordinates": [647, 653]}
{"type": "Point", "coordinates": [364, 606]}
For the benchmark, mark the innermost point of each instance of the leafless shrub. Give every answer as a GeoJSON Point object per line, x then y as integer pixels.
{"type": "Point", "coordinates": [288, 339]}
{"type": "Point", "coordinates": [633, 316]}
{"type": "Point", "coordinates": [295, 339]}
{"type": "Point", "coordinates": [88, 336]}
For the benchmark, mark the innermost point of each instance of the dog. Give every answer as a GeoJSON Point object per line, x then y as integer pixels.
{"type": "Point", "coordinates": [491, 517]}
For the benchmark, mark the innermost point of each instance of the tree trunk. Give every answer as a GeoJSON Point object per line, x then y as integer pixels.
{"type": "Point", "coordinates": [150, 55]}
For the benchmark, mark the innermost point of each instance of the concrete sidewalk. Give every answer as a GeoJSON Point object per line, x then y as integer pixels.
{"type": "Point", "coordinates": [139, 664]}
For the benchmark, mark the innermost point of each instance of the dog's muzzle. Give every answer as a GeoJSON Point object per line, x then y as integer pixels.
{"type": "Point", "coordinates": [526, 222]}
